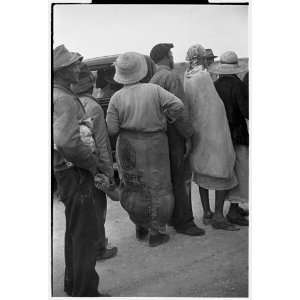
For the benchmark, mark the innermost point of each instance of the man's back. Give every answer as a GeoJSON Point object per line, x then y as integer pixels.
{"type": "Point", "coordinates": [169, 80]}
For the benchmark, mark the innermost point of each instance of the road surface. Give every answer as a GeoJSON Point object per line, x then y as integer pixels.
{"type": "Point", "coordinates": [214, 265]}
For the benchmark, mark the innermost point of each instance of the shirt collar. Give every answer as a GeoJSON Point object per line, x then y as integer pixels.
{"type": "Point", "coordinates": [163, 67]}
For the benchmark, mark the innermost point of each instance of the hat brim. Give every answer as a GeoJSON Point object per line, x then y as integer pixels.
{"type": "Point", "coordinates": [74, 57]}
{"type": "Point", "coordinates": [220, 68]}
{"type": "Point", "coordinates": [134, 77]}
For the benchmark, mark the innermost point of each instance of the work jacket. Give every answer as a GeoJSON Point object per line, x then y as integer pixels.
{"type": "Point", "coordinates": [169, 80]}
{"type": "Point", "coordinates": [233, 92]}
{"type": "Point", "coordinates": [95, 112]}
{"type": "Point", "coordinates": [69, 149]}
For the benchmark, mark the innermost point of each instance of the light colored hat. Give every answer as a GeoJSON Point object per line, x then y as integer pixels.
{"type": "Point", "coordinates": [131, 67]}
{"type": "Point", "coordinates": [195, 51]}
{"type": "Point", "coordinates": [62, 57]}
{"type": "Point", "coordinates": [229, 64]}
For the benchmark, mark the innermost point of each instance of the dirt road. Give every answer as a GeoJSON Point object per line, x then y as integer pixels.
{"type": "Point", "coordinates": [215, 265]}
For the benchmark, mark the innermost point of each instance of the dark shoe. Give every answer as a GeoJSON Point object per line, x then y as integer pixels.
{"type": "Point", "coordinates": [224, 225]}
{"type": "Point", "coordinates": [141, 233]}
{"type": "Point", "coordinates": [238, 220]}
{"type": "Point", "coordinates": [68, 292]}
{"type": "Point", "coordinates": [192, 230]}
{"type": "Point", "coordinates": [207, 219]}
{"type": "Point", "coordinates": [243, 212]}
{"type": "Point", "coordinates": [158, 239]}
{"type": "Point", "coordinates": [108, 253]}
{"type": "Point", "coordinates": [103, 295]}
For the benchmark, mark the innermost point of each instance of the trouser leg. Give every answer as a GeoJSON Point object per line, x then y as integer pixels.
{"type": "Point", "coordinates": [77, 194]}
{"type": "Point", "coordinates": [101, 209]}
{"type": "Point", "coordinates": [181, 181]}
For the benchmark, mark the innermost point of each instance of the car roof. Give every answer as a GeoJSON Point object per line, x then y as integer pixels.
{"type": "Point", "coordinates": [102, 62]}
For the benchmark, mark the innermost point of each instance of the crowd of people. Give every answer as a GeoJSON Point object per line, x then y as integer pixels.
{"type": "Point", "coordinates": [169, 133]}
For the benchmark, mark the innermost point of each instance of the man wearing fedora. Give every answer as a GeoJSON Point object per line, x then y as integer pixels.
{"type": "Point", "coordinates": [75, 166]}
{"type": "Point", "coordinates": [210, 59]}
{"type": "Point", "coordinates": [179, 138]}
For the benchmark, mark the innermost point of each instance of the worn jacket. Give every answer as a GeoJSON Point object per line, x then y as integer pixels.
{"type": "Point", "coordinates": [169, 80]}
{"type": "Point", "coordinates": [68, 146]}
{"type": "Point", "coordinates": [233, 92]}
{"type": "Point", "coordinates": [93, 110]}
{"type": "Point", "coordinates": [142, 107]}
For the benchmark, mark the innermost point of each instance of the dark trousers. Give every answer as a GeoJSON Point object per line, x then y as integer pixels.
{"type": "Point", "coordinates": [75, 187]}
{"type": "Point", "coordinates": [101, 208]}
{"type": "Point", "coordinates": [181, 180]}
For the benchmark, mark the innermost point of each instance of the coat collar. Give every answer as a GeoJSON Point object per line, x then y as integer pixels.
{"type": "Point", "coordinates": [163, 67]}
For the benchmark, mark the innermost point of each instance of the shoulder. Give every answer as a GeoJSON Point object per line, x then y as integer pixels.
{"type": "Point", "coordinates": [62, 97]}
{"type": "Point", "coordinates": [90, 103]}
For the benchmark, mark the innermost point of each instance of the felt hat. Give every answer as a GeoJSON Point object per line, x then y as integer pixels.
{"type": "Point", "coordinates": [209, 53]}
{"type": "Point", "coordinates": [62, 57]}
{"type": "Point", "coordinates": [131, 67]}
{"type": "Point", "coordinates": [229, 64]}
{"type": "Point", "coordinates": [159, 51]}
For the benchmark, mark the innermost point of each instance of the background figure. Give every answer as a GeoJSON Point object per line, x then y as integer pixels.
{"type": "Point", "coordinates": [209, 59]}
{"type": "Point", "coordinates": [212, 157]}
{"type": "Point", "coordinates": [137, 113]}
{"type": "Point", "coordinates": [179, 139]}
{"type": "Point", "coordinates": [75, 166]}
{"type": "Point", "coordinates": [234, 94]}
{"type": "Point", "coordinates": [84, 89]}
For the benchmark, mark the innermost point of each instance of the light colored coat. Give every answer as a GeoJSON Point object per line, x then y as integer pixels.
{"type": "Point", "coordinates": [212, 153]}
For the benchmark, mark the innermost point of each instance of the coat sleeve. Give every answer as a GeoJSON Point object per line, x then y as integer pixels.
{"type": "Point", "coordinates": [112, 117]}
{"type": "Point", "coordinates": [242, 99]}
{"type": "Point", "coordinates": [183, 123]}
{"type": "Point", "coordinates": [102, 142]}
{"type": "Point", "coordinates": [66, 135]}
{"type": "Point", "coordinates": [170, 104]}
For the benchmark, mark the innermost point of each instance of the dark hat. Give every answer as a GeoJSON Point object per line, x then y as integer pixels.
{"type": "Point", "coordinates": [209, 53]}
{"type": "Point", "coordinates": [159, 51]}
{"type": "Point", "coordinates": [62, 57]}
{"type": "Point", "coordinates": [86, 80]}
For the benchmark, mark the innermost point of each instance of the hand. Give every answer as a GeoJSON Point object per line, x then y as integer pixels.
{"type": "Point", "coordinates": [188, 148]}
{"type": "Point", "coordinates": [101, 181]}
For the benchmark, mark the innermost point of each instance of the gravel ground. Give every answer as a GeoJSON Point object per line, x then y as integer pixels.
{"type": "Point", "coordinates": [214, 265]}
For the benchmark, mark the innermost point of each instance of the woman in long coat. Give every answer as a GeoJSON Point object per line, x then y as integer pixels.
{"type": "Point", "coordinates": [138, 114]}
{"type": "Point", "coordinates": [212, 157]}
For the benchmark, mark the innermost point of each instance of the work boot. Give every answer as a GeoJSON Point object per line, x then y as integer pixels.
{"type": "Point", "coordinates": [191, 230]}
{"type": "Point", "coordinates": [141, 233]}
{"type": "Point", "coordinates": [158, 239]}
{"type": "Point", "coordinates": [107, 253]}
{"type": "Point", "coordinates": [238, 220]}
